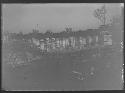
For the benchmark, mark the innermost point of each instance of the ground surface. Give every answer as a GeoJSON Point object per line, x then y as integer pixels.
{"type": "Point", "coordinates": [64, 73]}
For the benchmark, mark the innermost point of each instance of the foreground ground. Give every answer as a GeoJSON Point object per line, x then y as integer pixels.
{"type": "Point", "coordinates": [65, 73]}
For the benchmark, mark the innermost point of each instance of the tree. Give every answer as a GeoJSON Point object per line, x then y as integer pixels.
{"type": "Point", "coordinates": [18, 36]}
{"type": "Point", "coordinates": [48, 33]}
{"type": "Point", "coordinates": [100, 14]}
{"type": "Point", "coordinates": [35, 31]}
{"type": "Point", "coordinates": [68, 29]}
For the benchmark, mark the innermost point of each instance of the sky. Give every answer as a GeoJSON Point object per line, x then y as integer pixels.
{"type": "Point", "coordinates": [54, 17]}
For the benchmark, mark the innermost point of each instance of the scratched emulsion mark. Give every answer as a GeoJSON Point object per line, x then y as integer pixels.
{"type": "Point", "coordinates": [122, 73]}
{"type": "Point", "coordinates": [78, 75]}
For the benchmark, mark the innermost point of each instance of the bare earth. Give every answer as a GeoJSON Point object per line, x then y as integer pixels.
{"type": "Point", "coordinates": [65, 74]}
